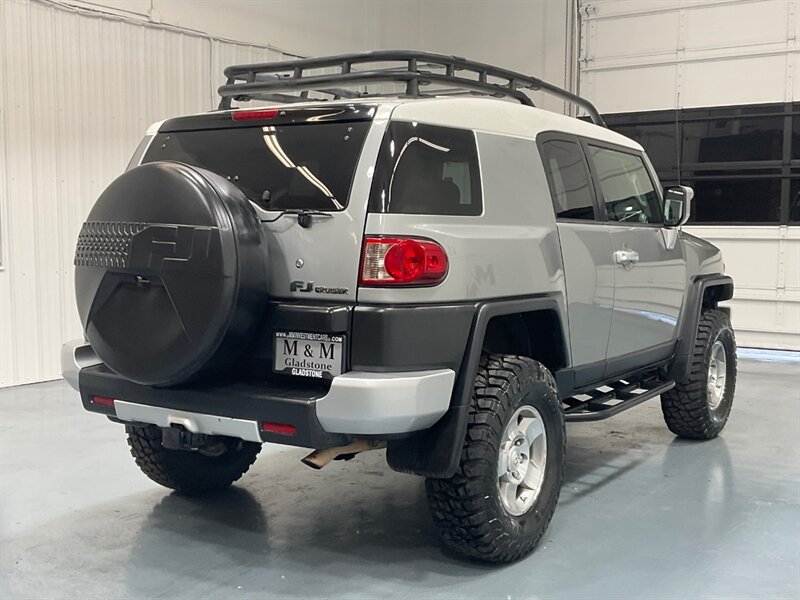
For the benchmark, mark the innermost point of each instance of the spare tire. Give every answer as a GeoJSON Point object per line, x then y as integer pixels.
{"type": "Point", "coordinates": [170, 273]}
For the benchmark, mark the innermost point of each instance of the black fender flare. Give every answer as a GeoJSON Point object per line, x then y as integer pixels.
{"type": "Point", "coordinates": [690, 318]}
{"type": "Point", "coordinates": [436, 451]}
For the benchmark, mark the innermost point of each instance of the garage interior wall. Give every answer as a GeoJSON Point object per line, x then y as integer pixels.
{"type": "Point", "coordinates": [644, 55]}
{"type": "Point", "coordinates": [80, 82]}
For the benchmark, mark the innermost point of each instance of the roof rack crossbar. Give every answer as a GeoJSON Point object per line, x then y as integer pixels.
{"type": "Point", "coordinates": [471, 76]}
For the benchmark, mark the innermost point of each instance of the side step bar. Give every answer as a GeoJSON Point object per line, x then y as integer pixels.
{"type": "Point", "coordinates": [601, 404]}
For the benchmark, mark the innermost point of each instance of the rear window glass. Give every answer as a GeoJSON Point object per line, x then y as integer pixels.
{"type": "Point", "coordinates": [427, 170]}
{"type": "Point", "coordinates": [277, 167]}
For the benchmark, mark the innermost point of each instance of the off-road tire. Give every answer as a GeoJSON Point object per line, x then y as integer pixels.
{"type": "Point", "coordinates": [466, 507]}
{"type": "Point", "coordinates": [189, 471]}
{"type": "Point", "coordinates": [686, 407]}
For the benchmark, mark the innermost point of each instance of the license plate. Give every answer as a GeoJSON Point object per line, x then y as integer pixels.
{"type": "Point", "coordinates": [316, 355]}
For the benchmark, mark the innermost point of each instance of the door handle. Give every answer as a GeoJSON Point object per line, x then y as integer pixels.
{"type": "Point", "coordinates": [626, 258]}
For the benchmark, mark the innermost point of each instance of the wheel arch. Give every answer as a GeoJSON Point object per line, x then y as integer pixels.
{"type": "Point", "coordinates": [705, 292]}
{"type": "Point", "coordinates": [435, 452]}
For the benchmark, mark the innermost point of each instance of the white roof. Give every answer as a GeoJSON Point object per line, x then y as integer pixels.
{"type": "Point", "coordinates": [502, 117]}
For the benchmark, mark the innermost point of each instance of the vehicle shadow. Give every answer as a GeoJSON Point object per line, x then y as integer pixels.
{"type": "Point", "coordinates": [359, 519]}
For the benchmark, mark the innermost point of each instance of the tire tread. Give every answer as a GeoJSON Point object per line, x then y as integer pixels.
{"type": "Point", "coordinates": [458, 504]}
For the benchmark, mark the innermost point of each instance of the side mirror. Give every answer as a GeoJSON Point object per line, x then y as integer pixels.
{"type": "Point", "coordinates": [677, 205]}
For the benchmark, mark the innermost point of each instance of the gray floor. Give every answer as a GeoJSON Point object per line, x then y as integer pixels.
{"type": "Point", "coordinates": [642, 515]}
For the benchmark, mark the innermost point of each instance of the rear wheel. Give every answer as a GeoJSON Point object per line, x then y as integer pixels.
{"type": "Point", "coordinates": [498, 504]}
{"type": "Point", "coordinates": [699, 407]}
{"type": "Point", "coordinates": [191, 472]}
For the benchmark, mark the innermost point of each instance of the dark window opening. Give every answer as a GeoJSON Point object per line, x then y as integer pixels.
{"type": "Point", "coordinates": [660, 141]}
{"type": "Point", "coordinates": [427, 169]}
{"type": "Point", "coordinates": [729, 140]}
{"type": "Point", "coordinates": [736, 201]}
{"type": "Point", "coordinates": [747, 155]}
{"type": "Point", "coordinates": [284, 167]}
{"type": "Point", "coordinates": [796, 134]}
{"type": "Point", "coordinates": [568, 179]}
{"type": "Point", "coordinates": [794, 201]}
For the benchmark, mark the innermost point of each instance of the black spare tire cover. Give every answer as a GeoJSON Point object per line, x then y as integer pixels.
{"type": "Point", "coordinates": [170, 273]}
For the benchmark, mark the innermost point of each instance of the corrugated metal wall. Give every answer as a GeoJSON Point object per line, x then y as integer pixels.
{"type": "Point", "coordinates": [77, 92]}
{"type": "Point", "coordinates": [638, 55]}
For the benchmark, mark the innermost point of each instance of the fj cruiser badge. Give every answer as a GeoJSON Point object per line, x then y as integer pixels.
{"type": "Point", "coordinates": [308, 287]}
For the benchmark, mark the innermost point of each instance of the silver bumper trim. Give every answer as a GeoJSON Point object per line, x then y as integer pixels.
{"type": "Point", "coordinates": [384, 403]}
{"type": "Point", "coordinates": [76, 355]}
{"type": "Point", "coordinates": [194, 422]}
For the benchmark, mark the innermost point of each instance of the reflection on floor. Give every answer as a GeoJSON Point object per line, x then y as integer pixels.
{"type": "Point", "coordinates": [641, 515]}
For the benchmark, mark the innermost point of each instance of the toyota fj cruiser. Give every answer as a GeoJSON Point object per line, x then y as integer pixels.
{"type": "Point", "coordinates": [450, 277]}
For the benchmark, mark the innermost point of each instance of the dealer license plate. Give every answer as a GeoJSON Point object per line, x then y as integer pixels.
{"type": "Point", "coordinates": [316, 355]}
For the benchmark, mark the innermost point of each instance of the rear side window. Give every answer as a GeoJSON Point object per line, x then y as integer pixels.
{"type": "Point", "coordinates": [277, 167]}
{"type": "Point", "coordinates": [427, 170]}
{"type": "Point", "coordinates": [568, 178]}
{"type": "Point", "coordinates": [628, 191]}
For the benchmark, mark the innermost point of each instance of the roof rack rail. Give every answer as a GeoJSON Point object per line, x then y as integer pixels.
{"type": "Point", "coordinates": [265, 81]}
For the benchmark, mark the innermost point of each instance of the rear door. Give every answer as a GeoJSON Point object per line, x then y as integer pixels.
{"type": "Point", "coordinates": [649, 276]}
{"type": "Point", "coordinates": [586, 250]}
{"type": "Point", "coordinates": [287, 161]}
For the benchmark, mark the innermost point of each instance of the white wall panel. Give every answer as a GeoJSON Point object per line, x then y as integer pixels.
{"type": "Point", "coordinates": [637, 31]}
{"type": "Point", "coordinates": [747, 80]}
{"type": "Point", "coordinates": [733, 25]}
{"type": "Point", "coordinates": [721, 51]}
{"type": "Point", "coordinates": [765, 265]}
{"type": "Point", "coordinates": [526, 36]}
{"type": "Point", "coordinates": [627, 89]}
{"type": "Point", "coordinates": [77, 94]}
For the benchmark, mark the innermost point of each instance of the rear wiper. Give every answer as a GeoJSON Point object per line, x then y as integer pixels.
{"type": "Point", "coordinates": [304, 216]}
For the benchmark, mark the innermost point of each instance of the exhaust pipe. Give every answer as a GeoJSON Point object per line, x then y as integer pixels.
{"type": "Point", "coordinates": [319, 458]}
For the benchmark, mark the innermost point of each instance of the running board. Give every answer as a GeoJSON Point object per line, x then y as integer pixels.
{"type": "Point", "coordinates": [612, 399]}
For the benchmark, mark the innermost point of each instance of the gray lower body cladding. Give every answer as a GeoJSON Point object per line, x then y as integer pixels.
{"type": "Point", "coordinates": [413, 352]}
{"type": "Point", "coordinates": [432, 350]}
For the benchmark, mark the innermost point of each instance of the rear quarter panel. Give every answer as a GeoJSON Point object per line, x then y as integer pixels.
{"type": "Point", "coordinates": [511, 250]}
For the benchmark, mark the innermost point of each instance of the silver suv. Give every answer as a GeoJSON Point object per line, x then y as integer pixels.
{"type": "Point", "coordinates": [349, 266]}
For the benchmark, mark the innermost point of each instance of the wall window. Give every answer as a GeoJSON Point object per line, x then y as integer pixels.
{"type": "Point", "coordinates": [568, 179]}
{"type": "Point", "coordinates": [753, 150]}
{"type": "Point", "coordinates": [794, 201]}
{"type": "Point", "coordinates": [628, 191]}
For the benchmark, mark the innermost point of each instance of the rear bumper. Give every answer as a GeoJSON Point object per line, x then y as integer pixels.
{"type": "Point", "coordinates": [356, 403]}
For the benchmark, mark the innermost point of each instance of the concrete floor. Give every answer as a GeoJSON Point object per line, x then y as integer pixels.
{"type": "Point", "coordinates": [642, 515]}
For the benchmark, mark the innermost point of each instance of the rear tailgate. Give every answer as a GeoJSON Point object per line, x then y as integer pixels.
{"type": "Point", "coordinates": [292, 159]}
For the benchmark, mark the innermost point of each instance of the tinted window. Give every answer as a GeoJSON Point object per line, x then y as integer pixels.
{"type": "Point", "coordinates": [293, 166]}
{"type": "Point", "coordinates": [796, 135]}
{"type": "Point", "coordinates": [628, 191]}
{"type": "Point", "coordinates": [725, 140]}
{"type": "Point", "coordinates": [741, 141]}
{"type": "Point", "coordinates": [426, 169]}
{"type": "Point", "coordinates": [794, 201]}
{"type": "Point", "coordinates": [660, 140]}
{"type": "Point", "coordinates": [568, 179]}
{"type": "Point", "coordinates": [736, 201]}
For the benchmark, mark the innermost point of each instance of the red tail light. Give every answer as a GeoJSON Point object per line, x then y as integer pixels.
{"type": "Point", "coordinates": [402, 261]}
{"type": "Point", "coordinates": [279, 428]}
{"type": "Point", "coordinates": [103, 401]}
{"type": "Point", "coordinates": [243, 115]}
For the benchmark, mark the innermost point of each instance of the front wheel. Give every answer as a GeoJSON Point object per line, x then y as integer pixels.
{"type": "Point", "coordinates": [699, 407]}
{"type": "Point", "coordinates": [498, 504]}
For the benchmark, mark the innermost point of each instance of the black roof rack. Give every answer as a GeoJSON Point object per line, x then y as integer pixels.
{"type": "Point", "coordinates": [270, 81]}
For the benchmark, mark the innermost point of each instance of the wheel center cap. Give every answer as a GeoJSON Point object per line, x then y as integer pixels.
{"type": "Point", "coordinates": [518, 462]}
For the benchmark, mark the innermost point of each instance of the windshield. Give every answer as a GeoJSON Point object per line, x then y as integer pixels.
{"type": "Point", "coordinates": [277, 167]}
